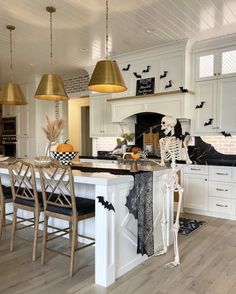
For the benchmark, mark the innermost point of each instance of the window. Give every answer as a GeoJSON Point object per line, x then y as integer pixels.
{"type": "Point", "coordinates": [206, 66]}
{"type": "Point", "coordinates": [228, 62]}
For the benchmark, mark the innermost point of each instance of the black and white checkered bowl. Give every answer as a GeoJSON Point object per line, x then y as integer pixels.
{"type": "Point", "coordinates": [64, 157]}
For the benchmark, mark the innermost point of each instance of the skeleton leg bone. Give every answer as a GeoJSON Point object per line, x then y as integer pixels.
{"type": "Point", "coordinates": [176, 261]}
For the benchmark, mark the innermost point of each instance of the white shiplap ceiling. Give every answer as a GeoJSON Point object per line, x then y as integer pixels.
{"type": "Point", "coordinates": [79, 25]}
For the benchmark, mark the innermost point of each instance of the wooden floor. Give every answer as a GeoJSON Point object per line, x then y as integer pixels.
{"type": "Point", "coordinates": [208, 265]}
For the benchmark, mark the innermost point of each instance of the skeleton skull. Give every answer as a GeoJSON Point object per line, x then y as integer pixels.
{"type": "Point", "coordinates": [168, 124]}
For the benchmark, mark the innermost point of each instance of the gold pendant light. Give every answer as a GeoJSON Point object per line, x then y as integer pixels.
{"type": "Point", "coordinates": [51, 85]}
{"type": "Point", "coordinates": [11, 94]}
{"type": "Point", "coordinates": [106, 77]}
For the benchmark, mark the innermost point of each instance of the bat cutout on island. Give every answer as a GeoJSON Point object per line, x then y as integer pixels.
{"type": "Point", "coordinates": [147, 69]}
{"type": "Point", "coordinates": [137, 75]}
{"type": "Point", "coordinates": [165, 72]}
{"type": "Point", "coordinates": [226, 134]}
{"type": "Point", "coordinates": [183, 90]}
{"type": "Point", "coordinates": [106, 204]}
{"type": "Point", "coordinates": [209, 122]}
{"type": "Point", "coordinates": [126, 68]}
{"type": "Point", "coordinates": [200, 105]}
{"type": "Point", "coordinates": [169, 85]}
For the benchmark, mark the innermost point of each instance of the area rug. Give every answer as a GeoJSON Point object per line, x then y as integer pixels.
{"type": "Point", "coordinates": [187, 225]}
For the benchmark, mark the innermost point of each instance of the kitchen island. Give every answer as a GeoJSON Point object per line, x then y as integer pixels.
{"type": "Point", "coordinates": [115, 231]}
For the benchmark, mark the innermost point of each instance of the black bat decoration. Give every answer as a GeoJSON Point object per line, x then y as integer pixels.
{"type": "Point", "coordinates": [137, 75]}
{"type": "Point", "coordinates": [126, 68]}
{"type": "Point", "coordinates": [147, 70]}
{"type": "Point", "coordinates": [200, 105]}
{"type": "Point", "coordinates": [226, 134]}
{"type": "Point", "coordinates": [106, 204]}
{"type": "Point", "coordinates": [183, 90]}
{"type": "Point", "coordinates": [164, 74]}
{"type": "Point", "coordinates": [169, 85]}
{"type": "Point", "coordinates": [209, 122]}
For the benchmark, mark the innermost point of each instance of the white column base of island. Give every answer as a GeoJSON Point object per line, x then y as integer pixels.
{"type": "Point", "coordinates": [116, 232]}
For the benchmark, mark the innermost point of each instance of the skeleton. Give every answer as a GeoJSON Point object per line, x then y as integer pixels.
{"type": "Point", "coordinates": [171, 150]}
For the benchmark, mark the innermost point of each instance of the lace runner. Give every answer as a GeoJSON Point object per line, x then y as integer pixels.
{"type": "Point", "coordinates": [140, 204]}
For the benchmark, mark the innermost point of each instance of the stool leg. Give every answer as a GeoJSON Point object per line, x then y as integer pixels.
{"type": "Point", "coordinates": [73, 246]}
{"type": "Point", "coordinates": [36, 226]}
{"type": "Point", "coordinates": [13, 232]}
{"type": "Point", "coordinates": [45, 228]}
{"type": "Point", "coordinates": [2, 217]}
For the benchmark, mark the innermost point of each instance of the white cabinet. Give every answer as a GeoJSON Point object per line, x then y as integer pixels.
{"type": "Point", "coordinates": [216, 63]}
{"type": "Point", "coordinates": [9, 110]}
{"type": "Point", "coordinates": [219, 98]}
{"type": "Point", "coordinates": [196, 191]}
{"type": "Point", "coordinates": [100, 118]}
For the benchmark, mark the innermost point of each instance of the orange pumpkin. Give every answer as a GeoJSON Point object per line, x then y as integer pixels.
{"type": "Point", "coordinates": [136, 155]}
{"type": "Point", "coordinates": [135, 149]}
{"type": "Point", "coordinates": [65, 147]}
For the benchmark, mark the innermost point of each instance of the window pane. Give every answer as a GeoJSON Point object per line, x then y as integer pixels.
{"type": "Point", "coordinates": [206, 66]}
{"type": "Point", "coordinates": [229, 62]}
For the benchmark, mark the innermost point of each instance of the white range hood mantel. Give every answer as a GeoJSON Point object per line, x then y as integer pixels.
{"type": "Point", "coordinates": [175, 103]}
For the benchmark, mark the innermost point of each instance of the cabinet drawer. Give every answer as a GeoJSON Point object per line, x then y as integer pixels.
{"type": "Point", "coordinates": [226, 206]}
{"type": "Point", "coordinates": [196, 169]}
{"type": "Point", "coordinates": [224, 174]}
{"type": "Point", "coordinates": [225, 190]}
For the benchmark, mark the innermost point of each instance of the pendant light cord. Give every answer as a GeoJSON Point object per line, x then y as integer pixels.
{"type": "Point", "coordinates": [106, 50]}
{"type": "Point", "coordinates": [51, 55]}
{"type": "Point", "coordinates": [11, 28]}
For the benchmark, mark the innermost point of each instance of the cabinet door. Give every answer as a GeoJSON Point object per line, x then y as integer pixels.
{"type": "Point", "coordinates": [206, 93]}
{"type": "Point", "coordinates": [97, 116]}
{"type": "Point", "coordinates": [207, 65]}
{"type": "Point", "coordinates": [9, 110]}
{"type": "Point", "coordinates": [22, 148]}
{"type": "Point", "coordinates": [227, 62]}
{"type": "Point", "coordinates": [226, 117]}
{"type": "Point", "coordinates": [196, 191]}
{"type": "Point", "coordinates": [175, 72]}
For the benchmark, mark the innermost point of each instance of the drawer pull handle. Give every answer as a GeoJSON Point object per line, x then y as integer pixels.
{"type": "Point", "coordinates": [222, 174]}
{"type": "Point", "coordinates": [221, 205]}
{"type": "Point", "coordinates": [225, 190]}
{"type": "Point", "coordinates": [195, 168]}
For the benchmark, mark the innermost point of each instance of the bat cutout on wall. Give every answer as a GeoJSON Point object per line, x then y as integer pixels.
{"type": "Point", "coordinates": [126, 68]}
{"type": "Point", "coordinates": [200, 105]}
{"type": "Point", "coordinates": [169, 85]}
{"type": "Point", "coordinates": [165, 72]}
{"type": "Point", "coordinates": [137, 75]}
{"type": "Point", "coordinates": [209, 122]}
{"type": "Point", "coordinates": [147, 70]}
{"type": "Point", "coordinates": [106, 204]}
{"type": "Point", "coordinates": [226, 134]}
{"type": "Point", "coordinates": [183, 90]}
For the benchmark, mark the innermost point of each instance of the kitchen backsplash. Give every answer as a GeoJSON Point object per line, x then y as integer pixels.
{"type": "Point", "coordinates": [221, 144]}
{"type": "Point", "coordinates": [76, 83]}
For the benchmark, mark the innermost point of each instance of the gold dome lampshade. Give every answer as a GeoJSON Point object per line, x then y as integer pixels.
{"type": "Point", "coordinates": [107, 78]}
{"type": "Point", "coordinates": [11, 94]}
{"type": "Point", "coordinates": [51, 88]}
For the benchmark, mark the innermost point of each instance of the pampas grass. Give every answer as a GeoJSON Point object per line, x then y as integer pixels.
{"type": "Point", "coordinates": [52, 131]}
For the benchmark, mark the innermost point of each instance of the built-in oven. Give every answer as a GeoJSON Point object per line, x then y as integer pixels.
{"type": "Point", "coordinates": [9, 126]}
{"type": "Point", "coordinates": [9, 141]}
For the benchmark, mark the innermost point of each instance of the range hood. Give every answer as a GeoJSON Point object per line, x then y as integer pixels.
{"type": "Point", "coordinates": [175, 103]}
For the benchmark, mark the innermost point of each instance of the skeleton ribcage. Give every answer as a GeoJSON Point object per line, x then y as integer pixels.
{"type": "Point", "coordinates": [172, 148]}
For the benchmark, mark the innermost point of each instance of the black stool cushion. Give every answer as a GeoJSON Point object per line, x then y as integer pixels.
{"type": "Point", "coordinates": [6, 192]}
{"type": "Point", "coordinates": [29, 202]}
{"type": "Point", "coordinates": [84, 206]}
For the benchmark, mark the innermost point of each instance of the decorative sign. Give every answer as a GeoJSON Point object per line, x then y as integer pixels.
{"type": "Point", "coordinates": [145, 86]}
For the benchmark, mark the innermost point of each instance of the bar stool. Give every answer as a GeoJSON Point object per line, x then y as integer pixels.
{"type": "Point", "coordinates": [5, 197]}
{"type": "Point", "coordinates": [25, 197]}
{"type": "Point", "coordinates": [60, 202]}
